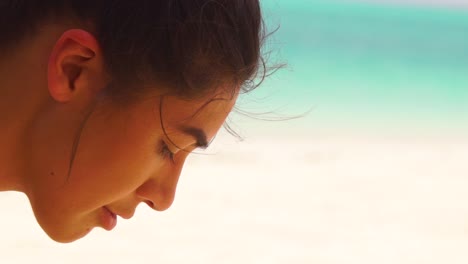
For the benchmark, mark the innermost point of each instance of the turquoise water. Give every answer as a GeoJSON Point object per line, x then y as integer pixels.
{"type": "Point", "coordinates": [369, 64]}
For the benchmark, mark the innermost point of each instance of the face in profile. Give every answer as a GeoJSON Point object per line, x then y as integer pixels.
{"type": "Point", "coordinates": [84, 159]}
{"type": "Point", "coordinates": [124, 157]}
{"type": "Point", "coordinates": [83, 168]}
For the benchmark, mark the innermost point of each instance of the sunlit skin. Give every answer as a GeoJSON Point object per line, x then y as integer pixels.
{"type": "Point", "coordinates": [48, 90]}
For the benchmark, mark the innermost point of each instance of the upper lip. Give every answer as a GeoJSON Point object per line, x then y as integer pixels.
{"type": "Point", "coordinates": [126, 216]}
{"type": "Point", "coordinates": [123, 215]}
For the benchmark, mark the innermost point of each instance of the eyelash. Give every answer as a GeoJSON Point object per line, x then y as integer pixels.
{"type": "Point", "coordinates": [165, 152]}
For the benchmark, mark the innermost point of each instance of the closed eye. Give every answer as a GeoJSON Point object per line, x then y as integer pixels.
{"type": "Point", "coordinates": [165, 152]}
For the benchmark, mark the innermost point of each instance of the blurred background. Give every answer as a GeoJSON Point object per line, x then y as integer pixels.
{"type": "Point", "coordinates": [380, 66]}
{"type": "Point", "coordinates": [374, 171]}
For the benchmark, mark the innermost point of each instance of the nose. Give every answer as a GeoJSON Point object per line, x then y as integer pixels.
{"type": "Point", "coordinates": [159, 191]}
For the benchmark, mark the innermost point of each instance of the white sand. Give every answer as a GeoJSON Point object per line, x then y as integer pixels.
{"type": "Point", "coordinates": [297, 201]}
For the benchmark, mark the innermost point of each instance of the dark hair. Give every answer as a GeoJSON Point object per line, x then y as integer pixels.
{"type": "Point", "coordinates": [191, 46]}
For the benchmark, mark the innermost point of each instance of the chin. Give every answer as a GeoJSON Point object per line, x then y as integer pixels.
{"type": "Point", "coordinates": [68, 236]}
{"type": "Point", "coordinates": [62, 230]}
{"type": "Point", "coordinates": [61, 225]}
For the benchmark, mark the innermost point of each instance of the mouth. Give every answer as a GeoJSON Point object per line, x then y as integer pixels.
{"type": "Point", "coordinates": [108, 219]}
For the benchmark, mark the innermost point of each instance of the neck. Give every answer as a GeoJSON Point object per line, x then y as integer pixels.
{"type": "Point", "coordinates": [11, 120]}
{"type": "Point", "coordinates": [20, 100]}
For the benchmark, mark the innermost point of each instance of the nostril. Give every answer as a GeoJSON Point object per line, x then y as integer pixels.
{"type": "Point", "coordinates": [150, 204]}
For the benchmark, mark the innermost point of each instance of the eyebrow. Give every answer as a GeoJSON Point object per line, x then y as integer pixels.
{"type": "Point", "coordinates": [198, 134]}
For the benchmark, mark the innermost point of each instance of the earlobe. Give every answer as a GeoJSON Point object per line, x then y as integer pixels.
{"type": "Point", "coordinates": [68, 61]}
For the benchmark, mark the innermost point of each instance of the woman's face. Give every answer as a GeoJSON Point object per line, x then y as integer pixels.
{"type": "Point", "coordinates": [123, 158]}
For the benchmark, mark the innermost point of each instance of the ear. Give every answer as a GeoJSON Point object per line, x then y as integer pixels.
{"type": "Point", "coordinates": [76, 67]}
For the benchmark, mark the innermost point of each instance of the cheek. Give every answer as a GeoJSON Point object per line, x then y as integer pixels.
{"type": "Point", "coordinates": [113, 167]}
{"type": "Point", "coordinates": [113, 159]}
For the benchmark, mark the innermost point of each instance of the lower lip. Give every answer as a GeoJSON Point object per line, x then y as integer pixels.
{"type": "Point", "coordinates": [109, 219]}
